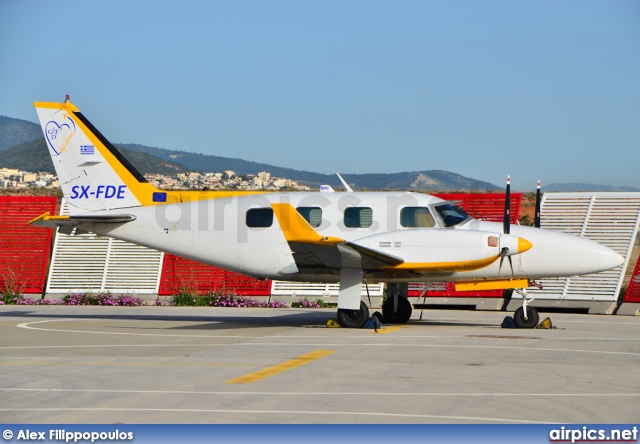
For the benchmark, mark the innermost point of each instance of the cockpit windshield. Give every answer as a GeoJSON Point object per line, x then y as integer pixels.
{"type": "Point", "coordinates": [451, 215]}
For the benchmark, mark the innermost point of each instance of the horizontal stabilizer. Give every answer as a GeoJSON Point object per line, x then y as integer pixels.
{"type": "Point", "coordinates": [46, 220]}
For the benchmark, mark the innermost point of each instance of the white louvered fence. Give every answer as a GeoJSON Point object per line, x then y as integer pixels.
{"type": "Point", "coordinates": [611, 219]}
{"type": "Point", "coordinates": [88, 262]}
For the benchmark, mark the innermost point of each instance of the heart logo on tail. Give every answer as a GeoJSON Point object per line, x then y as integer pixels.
{"type": "Point", "coordinates": [59, 135]}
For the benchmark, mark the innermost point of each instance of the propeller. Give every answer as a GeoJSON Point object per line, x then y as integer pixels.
{"type": "Point", "coordinates": [506, 225]}
{"type": "Point", "coordinates": [509, 244]}
{"type": "Point", "coordinates": [536, 222]}
{"type": "Point", "coordinates": [503, 252]}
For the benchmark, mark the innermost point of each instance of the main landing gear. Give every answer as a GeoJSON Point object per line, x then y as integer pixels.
{"type": "Point", "coordinates": [525, 317]}
{"type": "Point", "coordinates": [353, 318]}
{"type": "Point", "coordinates": [397, 308]}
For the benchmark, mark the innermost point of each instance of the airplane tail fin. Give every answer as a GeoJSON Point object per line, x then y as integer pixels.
{"type": "Point", "coordinates": [93, 174]}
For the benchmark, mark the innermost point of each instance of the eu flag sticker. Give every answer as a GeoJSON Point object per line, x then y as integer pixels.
{"type": "Point", "coordinates": [159, 197]}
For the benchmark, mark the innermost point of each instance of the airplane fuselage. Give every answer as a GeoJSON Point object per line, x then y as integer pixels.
{"type": "Point", "coordinates": [220, 232]}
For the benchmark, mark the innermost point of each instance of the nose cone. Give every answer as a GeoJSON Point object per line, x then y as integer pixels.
{"type": "Point", "coordinates": [608, 259]}
{"type": "Point", "coordinates": [523, 245]}
{"type": "Point", "coordinates": [513, 244]}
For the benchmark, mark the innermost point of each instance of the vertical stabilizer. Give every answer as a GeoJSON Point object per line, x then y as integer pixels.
{"type": "Point", "coordinates": [93, 174]}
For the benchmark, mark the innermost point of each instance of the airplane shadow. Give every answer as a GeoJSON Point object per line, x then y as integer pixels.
{"type": "Point", "coordinates": [451, 324]}
{"type": "Point", "coordinates": [205, 321]}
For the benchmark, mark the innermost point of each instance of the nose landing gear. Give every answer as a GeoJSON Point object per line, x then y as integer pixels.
{"type": "Point", "coordinates": [525, 317]}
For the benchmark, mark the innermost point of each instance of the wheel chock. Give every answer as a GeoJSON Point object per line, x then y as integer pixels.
{"type": "Point", "coordinates": [332, 323]}
{"type": "Point", "coordinates": [545, 324]}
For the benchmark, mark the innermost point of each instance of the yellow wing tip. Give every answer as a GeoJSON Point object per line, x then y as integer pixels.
{"type": "Point", "coordinates": [41, 217]}
{"type": "Point", "coordinates": [46, 217]}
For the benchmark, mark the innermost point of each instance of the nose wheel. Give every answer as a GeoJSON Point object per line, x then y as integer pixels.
{"type": "Point", "coordinates": [525, 316]}
{"type": "Point", "coordinates": [528, 320]}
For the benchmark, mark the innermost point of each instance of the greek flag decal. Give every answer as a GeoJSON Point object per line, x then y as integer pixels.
{"type": "Point", "coordinates": [86, 149]}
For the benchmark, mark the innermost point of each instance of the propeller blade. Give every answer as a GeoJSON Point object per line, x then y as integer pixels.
{"type": "Point", "coordinates": [503, 252]}
{"type": "Point", "coordinates": [536, 222]}
{"type": "Point", "coordinates": [506, 227]}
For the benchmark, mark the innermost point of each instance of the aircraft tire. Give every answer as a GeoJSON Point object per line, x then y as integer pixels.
{"type": "Point", "coordinates": [353, 318]}
{"type": "Point", "coordinates": [401, 316]}
{"type": "Point", "coordinates": [521, 322]}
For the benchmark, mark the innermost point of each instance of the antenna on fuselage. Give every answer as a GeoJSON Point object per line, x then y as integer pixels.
{"type": "Point", "coordinates": [345, 184]}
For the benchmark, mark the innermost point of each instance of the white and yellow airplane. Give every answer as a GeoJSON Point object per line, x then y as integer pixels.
{"type": "Point", "coordinates": [326, 236]}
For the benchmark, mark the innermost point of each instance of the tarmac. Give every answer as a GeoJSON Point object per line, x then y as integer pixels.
{"type": "Point", "coordinates": [188, 365]}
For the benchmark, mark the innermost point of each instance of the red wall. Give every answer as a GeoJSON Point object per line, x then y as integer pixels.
{"type": "Point", "coordinates": [633, 290]}
{"type": "Point", "coordinates": [24, 249]}
{"type": "Point", "coordinates": [180, 274]}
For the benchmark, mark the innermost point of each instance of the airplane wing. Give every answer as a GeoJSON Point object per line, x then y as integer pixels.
{"type": "Point", "coordinates": [68, 223]}
{"type": "Point", "coordinates": [314, 253]}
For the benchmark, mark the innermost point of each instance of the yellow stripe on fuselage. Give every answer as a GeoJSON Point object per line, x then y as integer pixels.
{"type": "Point", "coordinates": [444, 266]}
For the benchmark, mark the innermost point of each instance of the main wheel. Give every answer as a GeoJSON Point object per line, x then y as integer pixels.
{"type": "Point", "coordinates": [530, 322]}
{"type": "Point", "coordinates": [397, 317]}
{"type": "Point", "coordinates": [353, 318]}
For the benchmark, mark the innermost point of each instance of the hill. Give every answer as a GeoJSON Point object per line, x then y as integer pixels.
{"type": "Point", "coordinates": [22, 146]}
{"type": "Point", "coordinates": [34, 156]}
{"type": "Point", "coordinates": [433, 180]}
{"type": "Point", "coordinates": [15, 132]}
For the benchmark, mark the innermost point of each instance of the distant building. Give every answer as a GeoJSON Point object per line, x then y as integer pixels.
{"type": "Point", "coordinates": [14, 178]}
{"type": "Point", "coordinates": [264, 176]}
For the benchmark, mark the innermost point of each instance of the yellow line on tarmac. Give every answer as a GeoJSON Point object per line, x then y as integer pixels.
{"type": "Point", "coordinates": [282, 367]}
{"type": "Point", "coordinates": [384, 331]}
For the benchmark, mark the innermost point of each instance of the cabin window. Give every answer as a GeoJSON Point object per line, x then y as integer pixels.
{"type": "Point", "coordinates": [313, 215]}
{"type": "Point", "coordinates": [358, 217]}
{"type": "Point", "coordinates": [416, 217]}
{"type": "Point", "coordinates": [451, 215]}
{"type": "Point", "coordinates": [259, 217]}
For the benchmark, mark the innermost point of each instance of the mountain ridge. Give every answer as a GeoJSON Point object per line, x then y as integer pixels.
{"type": "Point", "coordinates": [22, 146]}
{"type": "Point", "coordinates": [15, 132]}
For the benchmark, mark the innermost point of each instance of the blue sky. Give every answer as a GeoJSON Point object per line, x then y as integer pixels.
{"type": "Point", "coordinates": [540, 89]}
